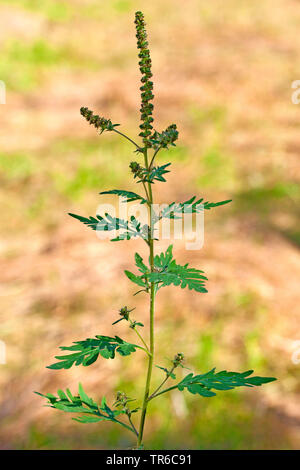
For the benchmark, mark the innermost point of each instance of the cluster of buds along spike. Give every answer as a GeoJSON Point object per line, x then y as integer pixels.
{"type": "Point", "coordinates": [165, 138]}
{"type": "Point", "coordinates": [97, 121]}
{"type": "Point", "coordinates": [147, 85]}
{"type": "Point", "coordinates": [137, 170]}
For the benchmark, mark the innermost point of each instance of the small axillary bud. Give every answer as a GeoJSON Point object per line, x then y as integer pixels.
{"type": "Point", "coordinates": [121, 401]}
{"type": "Point", "coordinates": [178, 359]}
{"type": "Point", "coordinates": [124, 312]}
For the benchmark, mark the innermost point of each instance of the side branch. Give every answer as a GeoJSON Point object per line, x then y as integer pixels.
{"type": "Point", "coordinates": [162, 384]}
{"type": "Point", "coordinates": [163, 391]}
{"type": "Point", "coordinates": [128, 138]}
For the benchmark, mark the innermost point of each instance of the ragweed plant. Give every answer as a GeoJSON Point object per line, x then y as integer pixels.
{"type": "Point", "coordinates": [160, 271]}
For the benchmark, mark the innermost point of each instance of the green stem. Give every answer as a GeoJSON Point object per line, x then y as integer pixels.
{"type": "Point", "coordinates": [130, 428]}
{"type": "Point", "coordinates": [139, 335]}
{"type": "Point", "coordinates": [161, 385]}
{"type": "Point", "coordinates": [152, 309]}
{"type": "Point", "coordinates": [128, 138]}
{"type": "Point", "coordinates": [154, 155]}
{"type": "Point", "coordinates": [143, 349]}
{"type": "Point", "coordinates": [147, 195]}
{"type": "Point", "coordinates": [163, 391]}
{"type": "Point", "coordinates": [133, 426]}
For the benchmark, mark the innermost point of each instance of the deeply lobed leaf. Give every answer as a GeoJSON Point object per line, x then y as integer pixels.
{"type": "Point", "coordinates": [131, 228]}
{"type": "Point", "coordinates": [176, 210]}
{"type": "Point", "coordinates": [89, 411]}
{"type": "Point", "coordinates": [88, 351]}
{"type": "Point", "coordinates": [202, 384]}
{"type": "Point", "coordinates": [154, 174]}
{"type": "Point", "coordinates": [167, 272]}
{"type": "Point", "coordinates": [128, 196]}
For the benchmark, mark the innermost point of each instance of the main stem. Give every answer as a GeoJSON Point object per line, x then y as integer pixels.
{"type": "Point", "coordinates": [152, 309]}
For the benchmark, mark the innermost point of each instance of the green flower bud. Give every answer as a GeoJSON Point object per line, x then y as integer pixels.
{"type": "Point", "coordinates": [97, 121]}
{"type": "Point", "coordinates": [165, 138]}
{"type": "Point", "coordinates": [124, 312]}
{"type": "Point", "coordinates": [178, 359]}
{"type": "Point", "coordinates": [145, 68]}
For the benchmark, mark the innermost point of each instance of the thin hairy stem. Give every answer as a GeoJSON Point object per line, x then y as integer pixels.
{"type": "Point", "coordinates": [128, 138]}
{"type": "Point", "coordinates": [147, 195]}
{"type": "Point", "coordinates": [154, 155]}
{"type": "Point", "coordinates": [152, 310]}
{"type": "Point", "coordinates": [162, 384]}
{"type": "Point", "coordinates": [143, 349]}
{"type": "Point", "coordinates": [163, 391]}
{"type": "Point", "coordinates": [133, 426]}
{"type": "Point", "coordinates": [139, 335]}
{"type": "Point", "coordinates": [130, 428]}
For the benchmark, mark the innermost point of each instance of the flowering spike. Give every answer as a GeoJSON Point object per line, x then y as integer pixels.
{"type": "Point", "coordinates": [165, 138]}
{"type": "Point", "coordinates": [97, 121]}
{"type": "Point", "coordinates": [147, 87]}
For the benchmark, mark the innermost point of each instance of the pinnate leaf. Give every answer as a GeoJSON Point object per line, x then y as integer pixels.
{"type": "Point", "coordinates": [204, 383]}
{"type": "Point", "coordinates": [88, 350]}
{"type": "Point", "coordinates": [155, 174]}
{"type": "Point", "coordinates": [128, 196]}
{"type": "Point", "coordinates": [176, 210]}
{"type": "Point", "coordinates": [167, 272]}
{"type": "Point", "coordinates": [128, 229]}
{"type": "Point", "coordinates": [89, 411]}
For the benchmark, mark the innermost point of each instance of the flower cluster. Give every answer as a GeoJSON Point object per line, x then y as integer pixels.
{"type": "Point", "coordinates": [97, 121]}
{"type": "Point", "coordinates": [137, 170]}
{"type": "Point", "coordinates": [178, 359]}
{"type": "Point", "coordinates": [147, 85]}
{"type": "Point", "coordinates": [165, 138]}
{"type": "Point", "coordinates": [122, 401]}
{"type": "Point", "coordinates": [124, 312]}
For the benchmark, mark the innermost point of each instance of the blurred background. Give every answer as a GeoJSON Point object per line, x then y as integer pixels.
{"type": "Point", "coordinates": [223, 72]}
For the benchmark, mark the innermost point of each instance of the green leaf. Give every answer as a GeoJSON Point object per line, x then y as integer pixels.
{"type": "Point", "coordinates": [85, 398]}
{"type": "Point", "coordinates": [145, 270]}
{"type": "Point", "coordinates": [167, 372]}
{"type": "Point", "coordinates": [89, 411]}
{"type": "Point", "coordinates": [202, 384]}
{"type": "Point", "coordinates": [209, 205]}
{"type": "Point", "coordinates": [163, 260]}
{"type": "Point", "coordinates": [87, 351]}
{"type": "Point", "coordinates": [140, 264]}
{"type": "Point", "coordinates": [88, 419]}
{"type": "Point", "coordinates": [177, 210]}
{"type": "Point", "coordinates": [61, 394]}
{"type": "Point", "coordinates": [139, 280]}
{"type": "Point", "coordinates": [130, 229]}
{"type": "Point", "coordinates": [127, 195]}
{"type": "Point", "coordinates": [169, 272]}
{"type": "Point", "coordinates": [155, 174]}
